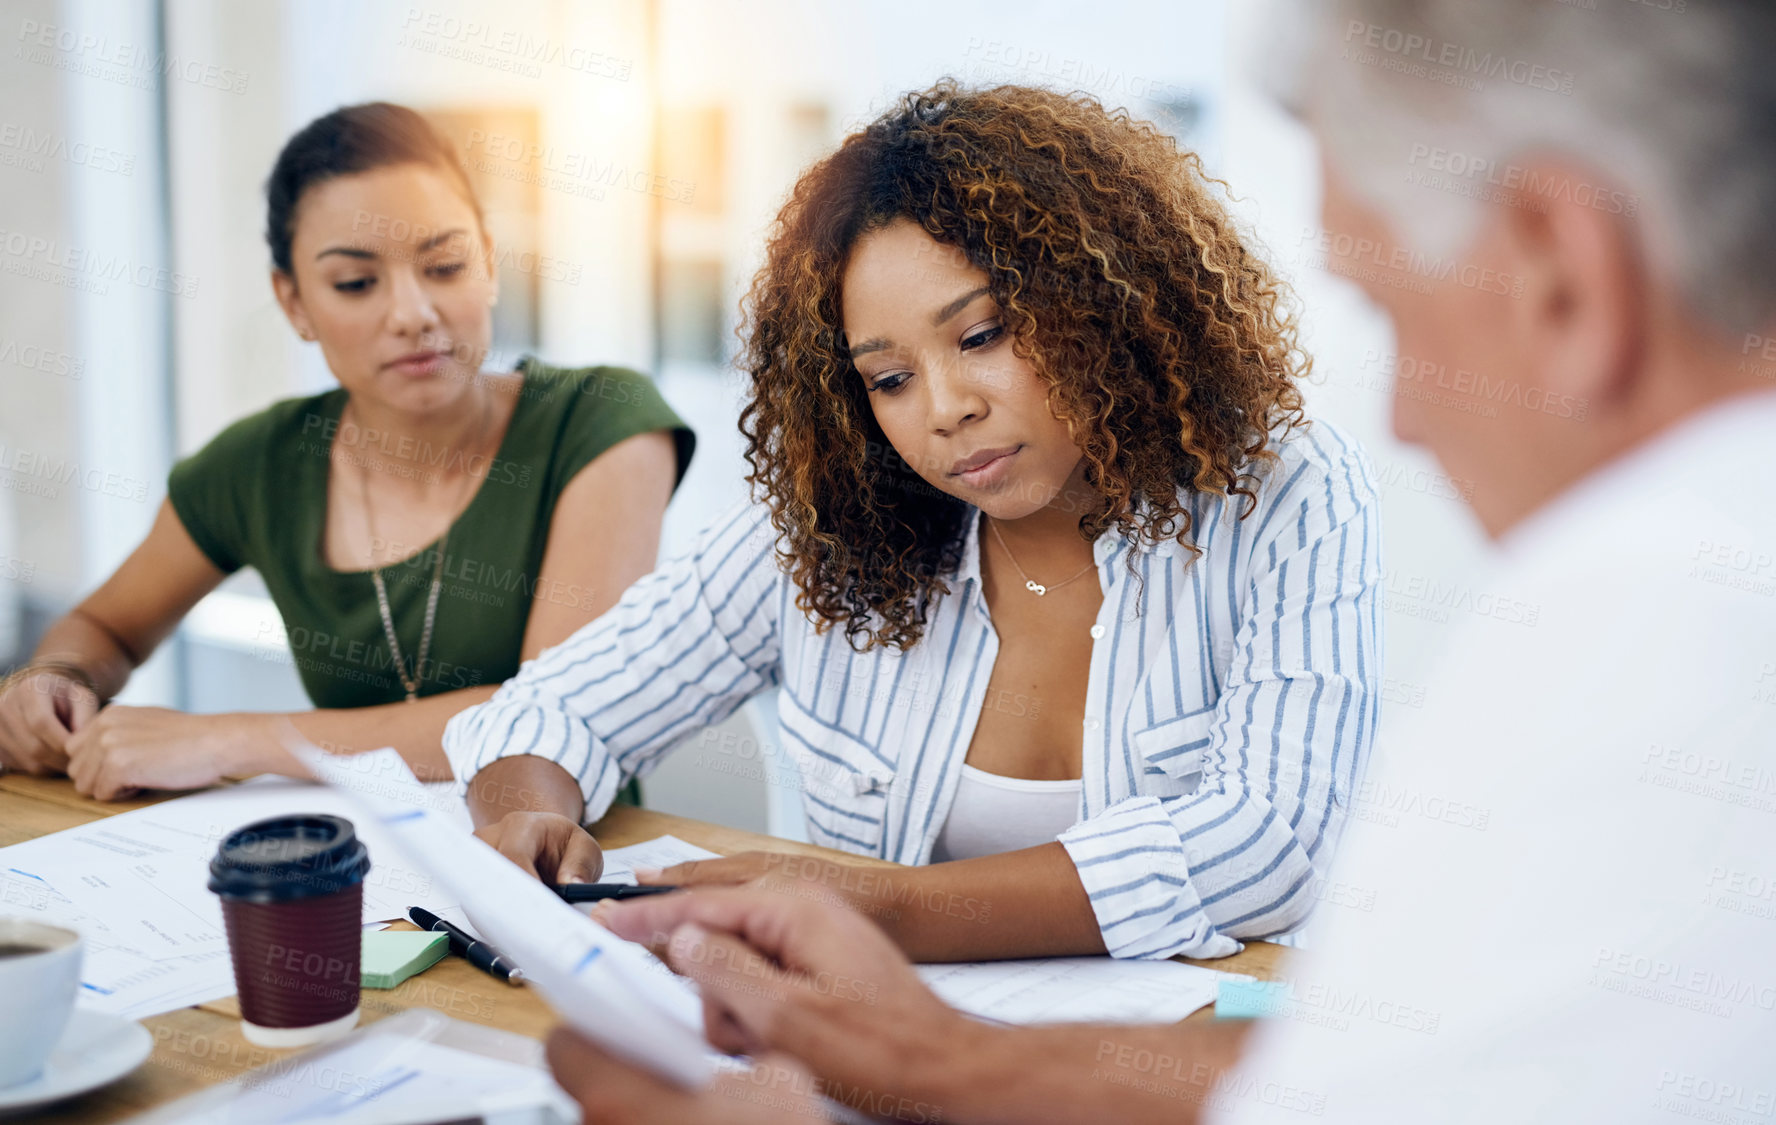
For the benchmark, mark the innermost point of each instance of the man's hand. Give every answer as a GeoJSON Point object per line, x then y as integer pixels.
{"type": "Point", "coordinates": [123, 749]}
{"type": "Point", "coordinates": [39, 712]}
{"type": "Point", "coordinates": [822, 985]}
{"type": "Point", "coordinates": [800, 877]}
{"type": "Point", "coordinates": [549, 846]}
{"type": "Point", "coordinates": [611, 1090]}
{"type": "Point", "coordinates": [807, 978]}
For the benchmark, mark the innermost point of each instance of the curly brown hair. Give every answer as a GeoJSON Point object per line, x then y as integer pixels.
{"type": "Point", "coordinates": [1165, 343]}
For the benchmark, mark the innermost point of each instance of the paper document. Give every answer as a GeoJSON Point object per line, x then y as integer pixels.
{"type": "Point", "coordinates": [661, 851]}
{"type": "Point", "coordinates": [161, 906]}
{"type": "Point", "coordinates": [123, 982]}
{"type": "Point", "coordinates": [419, 1066]}
{"type": "Point", "coordinates": [608, 989]}
{"type": "Point", "coordinates": [26, 893]}
{"type": "Point", "coordinates": [135, 885]}
{"type": "Point", "coordinates": [1076, 989]}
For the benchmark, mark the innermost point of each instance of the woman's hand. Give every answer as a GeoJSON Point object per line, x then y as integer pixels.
{"type": "Point", "coordinates": [39, 711]}
{"type": "Point", "coordinates": [728, 871]}
{"type": "Point", "coordinates": [881, 894]}
{"type": "Point", "coordinates": [123, 749]}
{"type": "Point", "coordinates": [801, 876]}
{"type": "Point", "coordinates": [548, 846]}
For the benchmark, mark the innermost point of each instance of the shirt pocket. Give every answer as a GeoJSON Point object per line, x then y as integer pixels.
{"type": "Point", "coordinates": [1172, 751]}
{"type": "Point", "coordinates": [844, 781]}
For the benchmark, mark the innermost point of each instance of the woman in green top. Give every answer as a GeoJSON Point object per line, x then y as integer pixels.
{"type": "Point", "coordinates": [423, 529]}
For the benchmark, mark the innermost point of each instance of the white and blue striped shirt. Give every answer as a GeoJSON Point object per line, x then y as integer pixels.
{"type": "Point", "coordinates": [1230, 705]}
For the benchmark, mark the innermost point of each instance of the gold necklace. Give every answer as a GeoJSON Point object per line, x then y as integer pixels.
{"type": "Point", "coordinates": [1029, 584]}
{"type": "Point", "coordinates": [412, 682]}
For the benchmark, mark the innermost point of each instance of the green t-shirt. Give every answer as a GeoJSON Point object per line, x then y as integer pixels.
{"type": "Point", "coordinates": [257, 496]}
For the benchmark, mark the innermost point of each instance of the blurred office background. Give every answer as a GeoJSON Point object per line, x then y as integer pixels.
{"type": "Point", "coordinates": [631, 154]}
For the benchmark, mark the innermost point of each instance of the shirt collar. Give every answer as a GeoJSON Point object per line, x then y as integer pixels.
{"type": "Point", "coordinates": [969, 568]}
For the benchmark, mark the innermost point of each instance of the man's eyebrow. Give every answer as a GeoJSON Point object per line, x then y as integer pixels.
{"type": "Point", "coordinates": [956, 306]}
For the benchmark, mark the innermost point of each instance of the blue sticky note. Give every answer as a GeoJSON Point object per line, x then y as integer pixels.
{"type": "Point", "coordinates": [1250, 999]}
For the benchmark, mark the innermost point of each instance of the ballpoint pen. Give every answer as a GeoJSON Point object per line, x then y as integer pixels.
{"type": "Point", "coordinates": [478, 953]}
{"type": "Point", "coordinates": [599, 892]}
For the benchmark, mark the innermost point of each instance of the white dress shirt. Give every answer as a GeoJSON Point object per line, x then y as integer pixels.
{"type": "Point", "coordinates": [1230, 704]}
{"type": "Point", "coordinates": [1594, 939]}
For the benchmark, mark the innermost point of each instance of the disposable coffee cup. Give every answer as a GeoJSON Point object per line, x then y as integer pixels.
{"type": "Point", "coordinates": [39, 974]}
{"type": "Point", "coordinates": [292, 890]}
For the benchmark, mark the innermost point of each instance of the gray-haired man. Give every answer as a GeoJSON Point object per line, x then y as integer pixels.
{"type": "Point", "coordinates": [1567, 851]}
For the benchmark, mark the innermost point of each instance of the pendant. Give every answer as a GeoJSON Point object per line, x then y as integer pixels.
{"type": "Point", "coordinates": [1034, 588]}
{"type": "Point", "coordinates": [412, 696]}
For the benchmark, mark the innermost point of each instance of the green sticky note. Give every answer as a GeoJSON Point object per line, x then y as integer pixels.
{"type": "Point", "coordinates": [391, 956]}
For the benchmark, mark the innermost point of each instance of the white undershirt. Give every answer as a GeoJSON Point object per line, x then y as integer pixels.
{"type": "Point", "coordinates": [994, 814]}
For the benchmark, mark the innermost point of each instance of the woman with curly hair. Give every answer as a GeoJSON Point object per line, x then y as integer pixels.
{"type": "Point", "coordinates": [1069, 605]}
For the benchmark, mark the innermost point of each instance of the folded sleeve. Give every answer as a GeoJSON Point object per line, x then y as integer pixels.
{"type": "Point", "coordinates": [684, 648]}
{"type": "Point", "coordinates": [1245, 854]}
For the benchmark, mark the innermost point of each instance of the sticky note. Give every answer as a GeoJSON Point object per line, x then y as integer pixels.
{"type": "Point", "coordinates": [1250, 999]}
{"type": "Point", "coordinates": [391, 956]}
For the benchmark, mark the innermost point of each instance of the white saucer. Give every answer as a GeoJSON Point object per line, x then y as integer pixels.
{"type": "Point", "coordinates": [96, 1049]}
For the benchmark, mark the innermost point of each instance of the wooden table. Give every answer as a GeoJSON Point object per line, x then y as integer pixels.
{"type": "Point", "coordinates": [200, 1046]}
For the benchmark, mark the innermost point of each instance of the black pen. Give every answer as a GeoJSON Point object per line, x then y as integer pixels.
{"type": "Point", "coordinates": [598, 892]}
{"type": "Point", "coordinates": [478, 953]}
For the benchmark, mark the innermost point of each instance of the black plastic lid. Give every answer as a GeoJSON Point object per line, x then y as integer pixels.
{"type": "Point", "coordinates": [289, 857]}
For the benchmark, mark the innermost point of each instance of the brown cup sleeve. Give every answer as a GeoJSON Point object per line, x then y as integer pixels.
{"type": "Point", "coordinates": [296, 963]}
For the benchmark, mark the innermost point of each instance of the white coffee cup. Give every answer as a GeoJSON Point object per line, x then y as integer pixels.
{"type": "Point", "coordinates": [39, 973]}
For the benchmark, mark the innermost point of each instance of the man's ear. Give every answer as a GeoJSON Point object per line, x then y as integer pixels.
{"type": "Point", "coordinates": [1584, 300]}
{"type": "Point", "coordinates": [284, 286]}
